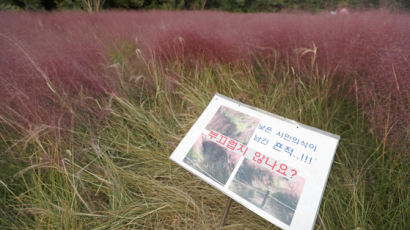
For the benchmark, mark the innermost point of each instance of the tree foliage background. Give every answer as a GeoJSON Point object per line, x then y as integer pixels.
{"type": "Point", "coordinates": [226, 5]}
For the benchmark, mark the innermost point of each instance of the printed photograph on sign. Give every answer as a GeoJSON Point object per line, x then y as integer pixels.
{"type": "Point", "coordinates": [211, 159]}
{"type": "Point", "coordinates": [233, 124]}
{"type": "Point", "coordinates": [267, 190]}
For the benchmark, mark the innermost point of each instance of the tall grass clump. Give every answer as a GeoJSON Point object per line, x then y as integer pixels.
{"type": "Point", "coordinates": [90, 117]}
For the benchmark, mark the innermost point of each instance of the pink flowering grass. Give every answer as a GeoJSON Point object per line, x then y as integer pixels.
{"type": "Point", "coordinates": [126, 86]}
{"type": "Point", "coordinates": [371, 49]}
{"type": "Point", "coordinates": [46, 59]}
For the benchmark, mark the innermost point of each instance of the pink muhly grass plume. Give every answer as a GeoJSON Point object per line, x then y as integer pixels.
{"type": "Point", "coordinates": [369, 48]}
{"type": "Point", "coordinates": [47, 64]}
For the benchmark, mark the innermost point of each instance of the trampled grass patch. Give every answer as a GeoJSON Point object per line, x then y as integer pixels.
{"type": "Point", "coordinates": [107, 166]}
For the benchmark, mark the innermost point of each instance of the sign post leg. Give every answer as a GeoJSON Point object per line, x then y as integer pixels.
{"type": "Point", "coordinates": [228, 206]}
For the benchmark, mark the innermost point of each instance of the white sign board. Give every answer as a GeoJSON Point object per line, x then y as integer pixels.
{"type": "Point", "coordinates": [274, 166]}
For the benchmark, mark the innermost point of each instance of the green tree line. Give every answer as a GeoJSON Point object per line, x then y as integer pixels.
{"type": "Point", "coordinates": [225, 5]}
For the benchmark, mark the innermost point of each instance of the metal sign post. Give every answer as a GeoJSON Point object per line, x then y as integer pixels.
{"type": "Point", "coordinates": [228, 206]}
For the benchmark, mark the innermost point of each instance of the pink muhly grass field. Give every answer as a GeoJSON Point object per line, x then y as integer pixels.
{"type": "Point", "coordinates": [70, 48]}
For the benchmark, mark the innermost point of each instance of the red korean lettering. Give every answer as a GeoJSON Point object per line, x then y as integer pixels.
{"type": "Point", "coordinates": [282, 169]}
{"type": "Point", "coordinates": [222, 140]}
{"type": "Point", "coordinates": [212, 135]}
{"type": "Point", "coordinates": [273, 165]}
{"type": "Point", "coordinates": [231, 144]}
{"type": "Point", "coordinates": [242, 148]}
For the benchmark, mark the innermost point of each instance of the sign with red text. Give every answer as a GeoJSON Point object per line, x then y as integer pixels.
{"type": "Point", "coordinates": [274, 166]}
